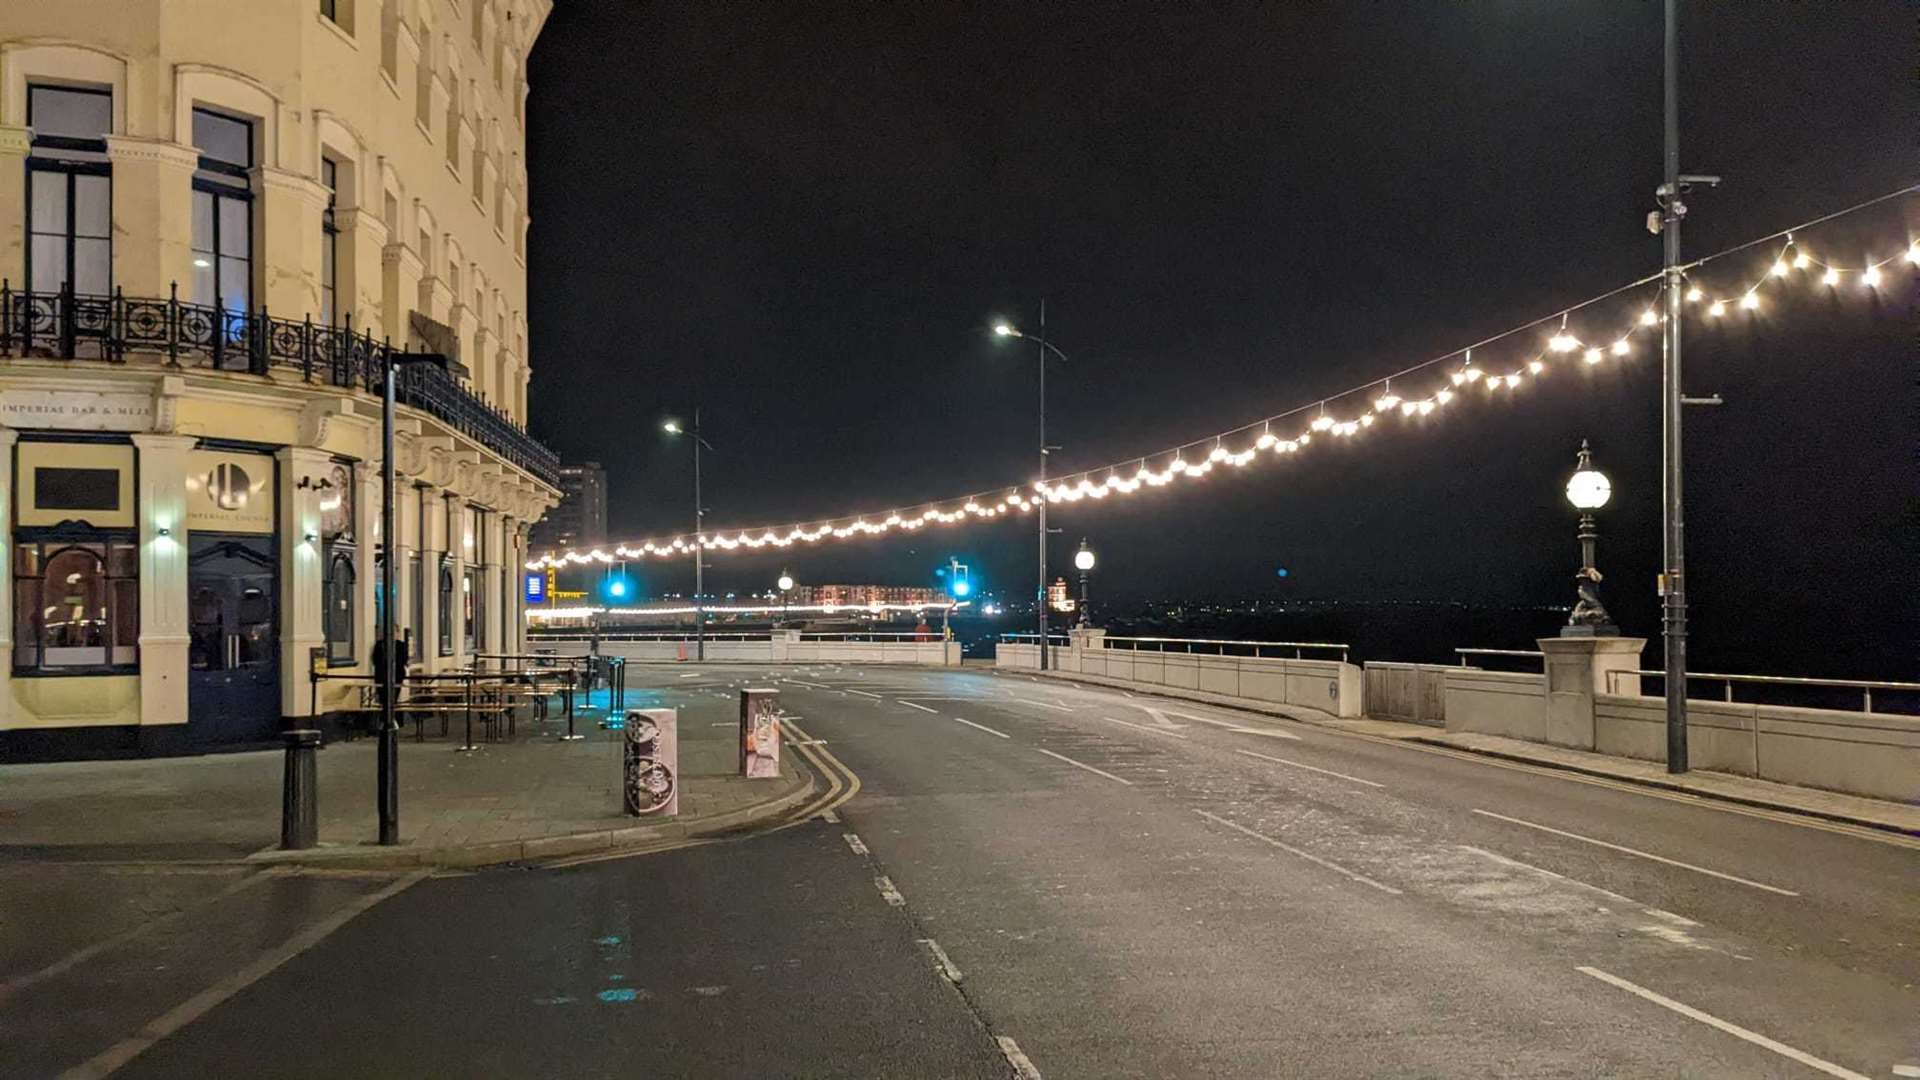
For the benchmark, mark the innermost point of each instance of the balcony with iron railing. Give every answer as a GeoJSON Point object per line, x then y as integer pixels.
{"type": "Point", "coordinates": [69, 326]}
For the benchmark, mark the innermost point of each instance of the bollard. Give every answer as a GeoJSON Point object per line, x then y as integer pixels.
{"type": "Point", "coordinates": [299, 810]}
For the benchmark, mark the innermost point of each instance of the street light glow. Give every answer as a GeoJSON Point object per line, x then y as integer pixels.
{"type": "Point", "coordinates": [1004, 330]}
{"type": "Point", "coordinates": [785, 582]}
{"type": "Point", "coordinates": [1083, 559]}
{"type": "Point", "coordinates": [1589, 489]}
{"type": "Point", "coordinates": [671, 427]}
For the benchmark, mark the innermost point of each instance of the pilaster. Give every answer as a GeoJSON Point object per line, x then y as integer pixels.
{"type": "Point", "coordinates": [162, 500]}
{"type": "Point", "coordinates": [15, 144]}
{"type": "Point", "coordinates": [399, 288]}
{"type": "Point", "coordinates": [152, 215]}
{"type": "Point", "coordinates": [301, 630]}
{"type": "Point", "coordinates": [366, 526]}
{"type": "Point", "coordinates": [286, 237]}
{"type": "Point", "coordinates": [363, 236]}
{"type": "Point", "coordinates": [8, 437]}
{"type": "Point", "coordinates": [432, 527]}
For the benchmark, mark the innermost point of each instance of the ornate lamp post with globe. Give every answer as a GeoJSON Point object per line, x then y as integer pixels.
{"type": "Point", "coordinates": [1083, 561]}
{"type": "Point", "coordinates": [786, 595]}
{"type": "Point", "coordinates": [1588, 490]}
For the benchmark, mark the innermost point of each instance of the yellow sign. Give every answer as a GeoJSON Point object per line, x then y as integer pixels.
{"type": "Point", "coordinates": [567, 594]}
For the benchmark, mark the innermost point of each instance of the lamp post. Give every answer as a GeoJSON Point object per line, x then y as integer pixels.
{"type": "Point", "coordinates": [387, 771]}
{"type": "Point", "coordinates": [673, 427]}
{"type": "Point", "coordinates": [1588, 490]}
{"type": "Point", "coordinates": [786, 595]}
{"type": "Point", "coordinates": [957, 587]}
{"type": "Point", "coordinates": [1009, 330]}
{"type": "Point", "coordinates": [1083, 560]}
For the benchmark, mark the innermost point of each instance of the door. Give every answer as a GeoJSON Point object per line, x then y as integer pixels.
{"type": "Point", "coordinates": [233, 690]}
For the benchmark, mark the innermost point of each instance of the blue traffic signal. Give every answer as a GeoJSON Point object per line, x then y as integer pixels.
{"type": "Point", "coordinates": [961, 587]}
{"type": "Point", "coordinates": [617, 588]}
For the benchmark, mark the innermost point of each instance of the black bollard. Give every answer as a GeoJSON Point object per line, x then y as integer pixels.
{"type": "Point", "coordinates": [299, 809]}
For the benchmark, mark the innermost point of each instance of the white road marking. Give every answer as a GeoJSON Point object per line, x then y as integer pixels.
{"type": "Point", "coordinates": [829, 817]}
{"type": "Point", "coordinates": [1232, 726]}
{"type": "Point", "coordinates": [1083, 765]}
{"type": "Point", "coordinates": [858, 845]}
{"type": "Point", "coordinates": [982, 727]}
{"type": "Point", "coordinates": [1043, 704]}
{"type": "Point", "coordinates": [810, 685]}
{"type": "Point", "coordinates": [864, 693]}
{"type": "Point", "coordinates": [689, 675]}
{"type": "Point", "coordinates": [73, 959]}
{"type": "Point", "coordinates": [718, 723]}
{"type": "Point", "coordinates": [1733, 1029]}
{"type": "Point", "coordinates": [117, 1055]}
{"type": "Point", "coordinates": [922, 708]}
{"type": "Point", "coordinates": [1143, 727]}
{"type": "Point", "coordinates": [1906, 1070]}
{"type": "Point", "coordinates": [1307, 855]}
{"type": "Point", "coordinates": [941, 960]}
{"type": "Point", "coordinates": [1127, 694]}
{"type": "Point", "coordinates": [1022, 1068]}
{"type": "Point", "coordinates": [888, 893]}
{"type": "Point", "coordinates": [1658, 913]}
{"type": "Point", "coordinates": [1636, 851]}
{"type": "Point", "coordinates": [1309, 768]}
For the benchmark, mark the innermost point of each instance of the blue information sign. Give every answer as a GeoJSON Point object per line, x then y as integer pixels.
{"type": "Point", "coordinates": [536, 587]}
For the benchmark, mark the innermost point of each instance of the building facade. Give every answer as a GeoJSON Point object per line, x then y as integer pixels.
{"type": "Point", "coordinates": [219, 222]}
{"type": "Point", "coordinates": [581, 518]}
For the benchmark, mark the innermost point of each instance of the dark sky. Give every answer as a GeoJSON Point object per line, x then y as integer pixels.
{"type": "Point", "coordinates": [804, 217]}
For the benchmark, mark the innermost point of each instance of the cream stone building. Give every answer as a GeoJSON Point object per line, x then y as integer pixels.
{"type": "Point", "coordinates": [218, 220]}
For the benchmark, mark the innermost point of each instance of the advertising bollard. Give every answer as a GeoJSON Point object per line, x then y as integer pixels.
{"type": "Point", "coordinates": [651, 766]}
{"type": "Point", "coordinates": [759, 733]}
{"type": "Point", "coordinates": [299, 809]}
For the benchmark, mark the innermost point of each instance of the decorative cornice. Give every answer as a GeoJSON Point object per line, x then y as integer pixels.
{"type": "Point", "coordinates": [311, 191]}
{"type": "Point", "coordinates": [16, 140]}
{"type": "Point", "coordinates": [363, 221]}
{"type": "Point", "coordinates": [132, 148]}
{"type": "Point", "coordinates": [402, 255]}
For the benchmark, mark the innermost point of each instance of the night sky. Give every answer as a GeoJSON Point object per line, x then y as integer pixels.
{"type": "Point", "coordinates": [805, 218]}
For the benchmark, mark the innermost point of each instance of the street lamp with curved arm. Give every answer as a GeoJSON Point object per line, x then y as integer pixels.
{"type": "Point", "coordinates": [1008, 330]}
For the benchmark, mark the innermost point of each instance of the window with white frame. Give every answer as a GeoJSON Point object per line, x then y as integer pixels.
{"type": "Point", "coordinates": [223, 216]}
{"type": "Point", "coordinates": [329, 245]}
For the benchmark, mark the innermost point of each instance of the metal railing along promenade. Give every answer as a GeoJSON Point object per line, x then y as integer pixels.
{"type": "Point", "coordinates": [1865, 687]}
{"type": "Point", "coordinates": [78, 326]}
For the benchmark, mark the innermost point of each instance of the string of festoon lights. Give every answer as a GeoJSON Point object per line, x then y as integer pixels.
{"type": "Point", "coordinates": [1412, 392]}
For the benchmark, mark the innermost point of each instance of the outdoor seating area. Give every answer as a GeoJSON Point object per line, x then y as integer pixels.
{"type": "Point", "coordinates": [493, 695]}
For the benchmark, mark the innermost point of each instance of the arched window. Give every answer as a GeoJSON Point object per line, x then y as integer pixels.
{"type": "Point", "coordinates": [446, 605]}
{"type": "Point", "coordinates": [337, 589]}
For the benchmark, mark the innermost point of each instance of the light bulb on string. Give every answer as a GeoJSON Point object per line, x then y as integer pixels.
{"type": "Point", "coordinates": [1536, 367]}
{"type": "Point", "coordinates": [1592, 356]}
{"type": "Point", "coordinates": [1871, 278]}
{"type": "Point", "coordinates": [1751, 301]}
{"type": "Point", "coordinates": [1621, 347]}
{"type": "Point", "coordinates": [1717, 309]}
{"type": "Point", "coordinates": [1694, 295]}
{"type": "Point", "coordinates": [1913, 253]}
{"type": "Point", "coordinates": [1649, 318]}
{"type": "Point", "coordinates": [1802, 260]}
{"type": "Point", "coordinates": [1779, 268]}
{"type": "Point", "coordinates": [1831, 277]}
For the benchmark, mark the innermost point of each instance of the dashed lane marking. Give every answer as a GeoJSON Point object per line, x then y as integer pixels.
{"type": "Point", "coordinates": [1022, 1068]}
{"type": "Point", "coordinates": [1084, 765]}
{"type": "Point", "coordinates": [829, 817]}
{"type": "Point", "coordinates": [888, 893]}
{"type": "Point", "coordinates": [1231, 725]}
{"type": "Point", "coordinates": [1307, 855]}
{"type": "Point", "coordinates": [1043, 704]}
{"type": "Point", "coordinates": [941, 961]}
{"type": "Point", "coordinates": [864, 693]}
{"type": "Point", "coordinates": [1638, 852]}
{"type": "Point", "coordinates": [1309, 768]}
{"type": "Point", "coordinates": [922, 708]}
{"type": "Point", "coordinates": [1730, 1028]}
{"type": "Point", "coordinates": [858, 845]}
{"type": "Point", "coordinates": [810, 685]}
{"type": "Point", "coordinates": [982, 727]}
{"type": "Point", "coordinates": [1169, 732]}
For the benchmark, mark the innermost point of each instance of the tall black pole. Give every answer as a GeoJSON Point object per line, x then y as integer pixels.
{"type": "Point", "coordinates": [699, 550]}
{"type": "Point", "coordinates": [1673, 579]}
{"type": "Point", "coordinates": [1043, 484]}
{"type": "Point", "coordinates": [388, 779]}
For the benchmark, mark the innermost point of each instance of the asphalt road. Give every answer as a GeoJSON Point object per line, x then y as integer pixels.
{"type": "Point", "coordinates": [1032, 878]}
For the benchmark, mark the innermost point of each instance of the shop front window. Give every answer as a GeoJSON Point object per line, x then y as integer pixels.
{"type": "Point", "coordinates": [76, 605]}
{"type": "Point", "coordinates": [445, 607]}
{"type": "Point", "coordinates": [337, 588]}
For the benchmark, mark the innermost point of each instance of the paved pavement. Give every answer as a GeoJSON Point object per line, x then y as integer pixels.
{"type": "Point", "coordinates": [533, 792]}
{"type": "Point", "coordinates": [1045, 879]}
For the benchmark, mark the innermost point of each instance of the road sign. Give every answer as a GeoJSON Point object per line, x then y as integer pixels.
{"type": "Point", "coordinates": [536, 587]}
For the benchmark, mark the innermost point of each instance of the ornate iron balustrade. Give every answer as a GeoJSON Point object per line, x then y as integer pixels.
{"type": "Point", "coordinates": [70, 326]}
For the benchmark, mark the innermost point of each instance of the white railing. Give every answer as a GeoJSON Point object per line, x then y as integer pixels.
{"type": "Point", "coordinates": [1533, 653]}
{"type": "Point", "coordinates": [1221, 646]}
{"type": "Point", "coordinates": [1866, 687]}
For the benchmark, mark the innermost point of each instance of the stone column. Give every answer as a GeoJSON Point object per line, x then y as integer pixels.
{"type": "Point", "coordinates": [301, 629]}
{"type": "Point", "coordinates": [152, 215]}
{"type": "Point", "coordinates": [399, 289]}
{"type": "Point", "coordinates": [366, 583]}
{"type": "Point", "coordinates": [482, 365]}
{"type": "Point", "coordinates": [286, 243]}
{"type": "Point", "coordinates": [162, 500]}
{"type": "Point", "coordinates": [8, 437]}
{"type": "Point", "coordinates": [466, 325]}
{"type": "Point", "coordinates": [362, 278]}
{"type": "Point", "coordinates": [433, 525]}
{"type": "Point", "coordinates": [15, 144]}
{"type": "Point", "coordinates": [453, 510]}
{"type": "Point", "coordinates": [1577, 670]}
